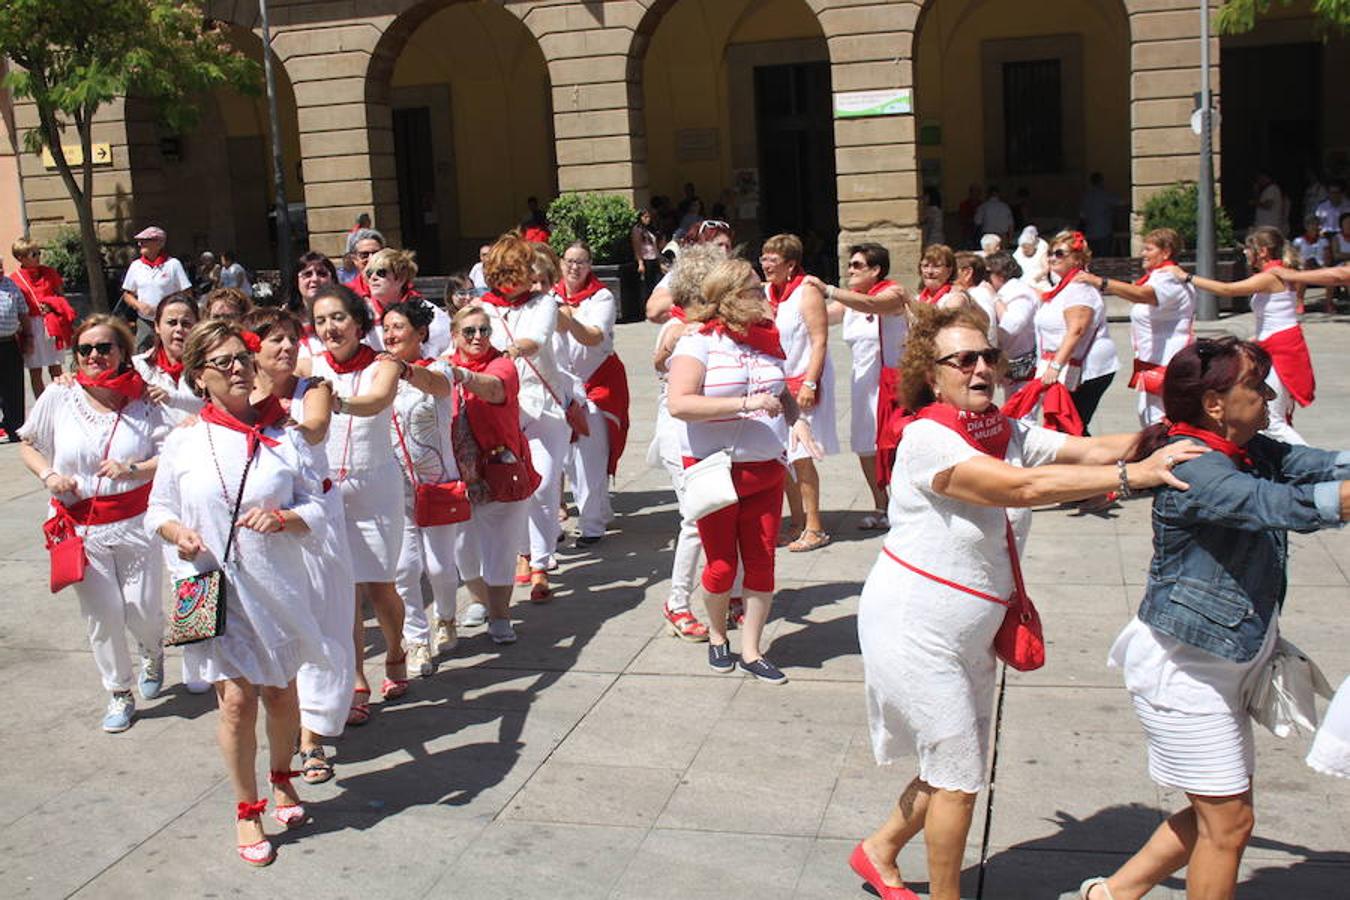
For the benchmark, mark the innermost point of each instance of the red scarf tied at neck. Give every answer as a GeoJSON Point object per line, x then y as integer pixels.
{"type": "Point", "coordinates": [1047, 296]}
{"type": "Point", "coordinates": [989, 432]}
{"type": "Point", "coordinates": [590, 288]}
{"type": "Point", "coordinates": [780, 292]}
{"type": "Point", "coordinates": [1148, 272]}
{"type": "Point", "coordinates": [1214, 442]}
{"type": "Point", "coordinates": [127, 383]}
{"type": "Point", "coordinates": [162, 362]}
{"type": "Point", "coordinates": [475, 364]}
{"type": "Point", "coordinates": [363, 357]}
{"type": "Point", "coordinates": [761, 336]}
{"type": "Point", "coordinates": [928, 295]}
{"type": "Point", "coordinates": [156, 262]}
{"type": "Point", "coordinates": [270, 412]}
{"type": "Point", "coordinates": [497, 299]}
{"type": "Point", "coordinates": [677, 312]}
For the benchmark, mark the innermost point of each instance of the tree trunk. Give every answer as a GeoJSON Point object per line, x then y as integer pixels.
{"type": "Point", "coordinates": [82, 198]}
{"type": "Point", "coordinates": [93, 257]}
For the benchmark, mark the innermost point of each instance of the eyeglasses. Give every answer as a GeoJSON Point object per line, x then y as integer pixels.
{"type": "Point", "coordinates": [576, 263]}
{"type": "Point", "coordinates": [313, 273]}
{"type": "Point", "coordinates": [103, 348]}
{"type": "Point", "coordinates": [225, 362]}
{"type": "Point", "coordinates": [377, 273]}
{"type": "Point", "coordinates": [467, 292]}
{"type": "Point", "coordinates": [965, 360]}
{"type": "Point", "coordinates": [472, 331]}
{"type": "Point", "coordinates": [1060, 253]}
{"type": "Point", "coordinates": [33, 253]}
{"type": "Point", "coordinates": [365, 254]}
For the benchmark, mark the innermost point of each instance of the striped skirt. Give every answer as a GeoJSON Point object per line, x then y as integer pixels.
{"type": "Point", "coordinates": [1210, 754]}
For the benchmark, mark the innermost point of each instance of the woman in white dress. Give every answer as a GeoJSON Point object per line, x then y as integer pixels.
{"type": "Point", "coordinates": [523, 322]}
{"type": "Point", "coordinates": [872, 311]}
{"type": "Point", "coordinates": [238, 454]}
{"type": "Point", "coordinates": [1275, 308]}
{"type": "Point", "coordinates": [1162, 317]}
{"type": "Point", "coordinates": [803, 324]}
{"type": "Point", "coordinates": [1071, 335]}
{"type": "Point", "coordinates": [962, 482]}
{"type": "Point", "coordinates": [1033, 255]}
{"type": "Point", "coordinates": [94, 445]}
{"type": "Point", "coordinates": [324, 688]}
{"type": "Point", "coordinates": [363, 467]}
{"type": "Point", "coordinates": [1015, 305]}
{"type": "Point", "coordinates": [421, 435]}
{"type": "Point", "coordinates": [162, 365]}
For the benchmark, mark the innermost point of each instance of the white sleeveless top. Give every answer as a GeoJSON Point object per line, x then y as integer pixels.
{"type": "Point", "coordinates": [1274, 312]}
{"type": "Point", "coordinates": [360, 444]}
{"type": "Point", "coordinates": [1158, 332]}
{"type": "Point", "coordinates": [796, 337]}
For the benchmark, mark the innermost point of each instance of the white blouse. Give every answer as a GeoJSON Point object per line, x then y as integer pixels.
{"type": "Point", "coordinates": [734, 370]}
{"type": "Point", "coordinates": [1094, 348]}
{"type": "Point", "coordinates": [545, 390]}
{"type": "Point", "coordinates": [355, 443]}
{"type": "Point", "coordinates": [1158, 332]}
{"type": "Point", "coordinates": [181, 402]}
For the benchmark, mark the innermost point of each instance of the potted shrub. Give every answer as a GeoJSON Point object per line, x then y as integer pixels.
{"type": "Point", "coordinates": [64, 252]}
{"type": "Point", "coordinates": [1175, 207]}
{"type": "Point", "coordinates": [605, 222]}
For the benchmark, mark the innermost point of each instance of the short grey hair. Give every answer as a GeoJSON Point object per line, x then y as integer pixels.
{"type": "Point", "coordinates": [364, 234]}
{"type": "Point", "coordinates": [691, 269]}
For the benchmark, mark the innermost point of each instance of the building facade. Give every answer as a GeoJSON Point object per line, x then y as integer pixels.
{"type": "Point", "coordinates": [441, 117]}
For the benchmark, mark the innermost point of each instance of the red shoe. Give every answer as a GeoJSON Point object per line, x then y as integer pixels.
{"type": "Point", "coordinates": [685, 625]}
{"type": "Point", "coordinates": [288, 815]}
{"type": "Point", "coordinates": [259, 853]}
{"type": "Point", "coordinates": [540, 591]}
{"type": "Point", "coordinates": [359, 713]}
{"type": "Point", "coordinates": [523, 570]}
{"type": "Point", "coordinates": [863, 868]}
{"type": "Point", "coordinates": [735, 613]}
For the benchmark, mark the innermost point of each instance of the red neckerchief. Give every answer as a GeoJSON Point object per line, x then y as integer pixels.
{"type": "Point", "coordinates": [677, 312]}
{"type": "Point", "coordinates": [497, 299]}
{"type": "Point", "coordinates": [128, 383]}
{"type": "Point", "coordinates": [987, 432]}
{"type": "Point", "coordinates": [475, 364]}
{"type": "Point", "coordinates": [879, 287]}
{"type": "Point", "coordinates": [359, 286]}
{"type": "Point", "coordinates": [592, 287]}
{"type": "Point", "coordinates": [1271, 264]}
{"type": "Point", "coordinates": [156, 262]}
{"type": "Point", "coordinates": [930, 296]}
{"type": "Point", "coordinates": [364, 356]}
{"type": "Point", "coordinates": [270, 412]}
{"type": "Point", "coordinates": [1143, 279]}
{"type": "Point", "coordinates": [1214, 442]}
{"type": "Point", "coordinates": [424, 362]}
{"type": "Point", "coordinates": [1047, 296]}
{"type": "Point", "coordinates": [779, 293]}
{"type": "Point", "coordinates": [166, 365]}
{"type": "Point", "coordinates": [761, 336]}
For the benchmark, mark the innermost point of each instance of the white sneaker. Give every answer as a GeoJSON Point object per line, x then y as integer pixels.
{"type": "Point", "coordinates": [446, 635]}
{"type": "Point", "coordinates": [420, 661]}
{"type": "Point", "coordinates": [501, 632]}
{"type": "Point", "coordinates": [475, 614]}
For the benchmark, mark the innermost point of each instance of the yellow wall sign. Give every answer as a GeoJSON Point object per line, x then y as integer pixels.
{"type": "Point", "coordinates": [102, 154]}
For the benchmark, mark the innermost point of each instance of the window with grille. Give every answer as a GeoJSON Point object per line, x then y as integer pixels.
{"type": "Point", "coordinates": [1033, 118]}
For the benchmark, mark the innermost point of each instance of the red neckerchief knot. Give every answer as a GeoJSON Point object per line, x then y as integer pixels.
{"type": "Point", "coordinates": [1047, 296]}
{"type": "Point", "coordinates": [270, 412]}
{"type": "Point", "coordinates": [780, 292]}
{"type": "Point", "coordinates": [128, 383]}
{"type": "Point", "coordinates": [928, 295]}
{"type": "Point", "coordinates": [761, 336]}
{"type": "Point", "coordinates": [162, 362]}
{"type": "Point", "coordinates": [588, 289]}
{"type": "Point", "coordinates": [1148, 271]}
{"type": "Point", "coordinates": [363, 357]}
{"type": "Point", "coordinates": [475, 363]}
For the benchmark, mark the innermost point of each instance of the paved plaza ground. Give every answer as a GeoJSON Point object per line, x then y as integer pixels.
{"type": "Point", "coordinates": [599, 758]}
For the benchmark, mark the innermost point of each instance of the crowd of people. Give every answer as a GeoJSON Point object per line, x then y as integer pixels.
{"type": "Point", "coordinates": [244, 444]}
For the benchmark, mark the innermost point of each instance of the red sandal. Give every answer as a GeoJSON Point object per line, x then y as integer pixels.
{"type": "Point", "coordinates": [288, 815]}
{"type": "Point", "coordinates": [684, 625]}
{"type": "Point", "coordinates": [359, 714]}
{"type": "Point", "coordinates": [259, 853]}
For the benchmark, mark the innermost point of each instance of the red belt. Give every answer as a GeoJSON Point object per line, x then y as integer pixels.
{"type": "Point", "coordinates": [1147, 376]}
{"type": "Point", "coordinates": [107, 509]}
{"type": "Point", "coordinates": [943, 581]}
{"type": "Point", "coordinates": [1051, 354]}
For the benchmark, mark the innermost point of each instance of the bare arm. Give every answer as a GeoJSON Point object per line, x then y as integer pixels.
{"type": "Point", "coordinates": [1135, 293]}
{"type": "Point", "coordinates": [818, 330]}
{"type": "Point", "coordinates": [489, 387]}
{"type": "Point", "coordinates": [318, 412]}
{"type": "Point", "coordinates": [659, 304]}
{"type": "Point", "coordinates": [1336, 276]}
{"type": "Point", "coordinates": [1096, 451]}
{"type": "Point", "coordinates": [383, 388]}
{"type": "Point", "coordinates": [145, 310]}
{"type": "Point", "coordinates": [894, 299]}
{"type": "Point", "coordinates": [429, 382]}
{"type": "Point", "coordinates": [1262, 281]}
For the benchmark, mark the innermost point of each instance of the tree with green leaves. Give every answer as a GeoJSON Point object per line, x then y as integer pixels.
{"type": "Point", "coordinates": [1237, 16]}
{"type": "Point", "coordinates": [76, 56]}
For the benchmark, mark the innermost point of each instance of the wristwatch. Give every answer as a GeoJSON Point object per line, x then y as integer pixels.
{"type": "Point", "coordinates": [810, 384]}
{"type": "Point", "coordinates": [132, 468]}
{"type": "Point", "coordinates": [1056, 365]}
{"type": "Point", "coordinates": [1105, 283]}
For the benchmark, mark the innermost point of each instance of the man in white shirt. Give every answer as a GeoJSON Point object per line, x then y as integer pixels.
{"type": "Point", "coordinates": [476, 273]}
{"type": "Point", "coordinates": [1330, 210]}
{"type": "Point", "coordinates": [151, 278]}
{"type": "Point", "coordinates": [993, 216]}
{"type": "Point", "coordinates": [233, 275]}
{"type": "Point", "coordinates": [1272, 209]}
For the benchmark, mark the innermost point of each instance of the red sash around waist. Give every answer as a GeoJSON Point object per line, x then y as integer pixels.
{"type": "Point", "coordinates": [607, 388]}
{"type": "Point", "coordinates": [1147, 377]}
{"type": "Point", "coordinates": [1289, 354]}
{"type": "Point", "coordinates": [107, 509]}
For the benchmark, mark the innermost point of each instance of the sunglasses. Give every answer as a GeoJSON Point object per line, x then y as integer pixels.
{"type": "Point", "coordinates": [102, 347]}
{"type": "Point", "coordinates": [856, 266]}
{"type": "Point", "coordinates": [965, 360]}
{"type": "Point", "coordinates": [472, 331]}
{"type": "Point", "coordinates": [225, 362]}
{"type": "Point", "coordinates": [377, 273]}
{"type": "Point", "coordinates": [1060, 253]}
{"type": "Point", "coordinates": [713, 225]}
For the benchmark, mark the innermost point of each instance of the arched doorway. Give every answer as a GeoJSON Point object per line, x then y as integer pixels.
{"type": "Point", "coordinates": [212, 187]}
{"type": "Point", "coordinates": [471, 124]}
{"type": "Point", "coordinates": [737, 102]}
{"type": "Point", "coordinates": [1032, 104]}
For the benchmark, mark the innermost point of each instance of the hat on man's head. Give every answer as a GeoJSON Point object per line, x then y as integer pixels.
{"type": "Point", "coordinates": [153, 233]}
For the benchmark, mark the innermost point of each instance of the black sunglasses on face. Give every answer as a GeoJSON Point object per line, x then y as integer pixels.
{"type": "Point", "coordinates": [472, 331]}
{"type": "Point", "coordinates": [377, 273]}
{"type": "Point", "coordinates": [1060, 253]}
{"type": "Point", "coordinates": [103, 348]}
{"type": "Point", "coordinates": [965, 360]}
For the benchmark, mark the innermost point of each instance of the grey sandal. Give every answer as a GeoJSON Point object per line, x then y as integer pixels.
{"type": "Point", "coordinates": [1086, 888]}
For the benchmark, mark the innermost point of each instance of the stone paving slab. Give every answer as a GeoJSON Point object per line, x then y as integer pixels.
{"type": "Point", "coordinates": [599, 758]}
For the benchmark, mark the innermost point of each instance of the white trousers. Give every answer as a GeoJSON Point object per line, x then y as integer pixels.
{"type": "Point", "coordinates": [429, 549]}
{"type": "Point", "coordinates": [587, 465]}
{"type": "Point", "coordinates": [1150, 408]}
{"type": "Point", "coordinates": [490, 541]}
{"type": "Point", "coordinates": [1282, 408]}
{"type": "Point", "coordinates": [548, 450]}
{"type": "Point", "coordinates": [121, 593]}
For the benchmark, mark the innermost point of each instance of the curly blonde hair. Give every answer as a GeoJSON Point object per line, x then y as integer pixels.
{"type": "Point", "coordinates": [402, 264]}
{"type": "Point", "coordinates": [921, 357]}
{"type": "Point", "coordinates": [694, 264]}
{"type": "Point", "coordinates": [732, 293]}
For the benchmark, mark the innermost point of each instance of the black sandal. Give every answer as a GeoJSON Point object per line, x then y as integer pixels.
{"type": "Point", "coordinates": [315, 768]}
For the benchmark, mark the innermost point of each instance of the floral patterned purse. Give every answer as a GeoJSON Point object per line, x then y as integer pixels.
{"type": "Point", "coordinates": [198, 612]}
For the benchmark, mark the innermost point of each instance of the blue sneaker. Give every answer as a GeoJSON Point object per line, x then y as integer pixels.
{"type": "Point", "coordinates": [720, 659]}
{"type": "Point", "coordinates": [152, 676]}
{"type": "Point", "coordinates": [121, 709]}
{"type": "Point", "coordinates": [764, 670]}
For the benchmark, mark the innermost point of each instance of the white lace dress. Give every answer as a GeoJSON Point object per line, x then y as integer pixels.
{"type": "Point", "coordinates": [928, 655]}
{"type": "Point", "coordinates": [270, 628]}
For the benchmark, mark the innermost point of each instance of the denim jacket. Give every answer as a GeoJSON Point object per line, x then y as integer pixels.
{"type": "Point", "coordinates": [1220, 549]}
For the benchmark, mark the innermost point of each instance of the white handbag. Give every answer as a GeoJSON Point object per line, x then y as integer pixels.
{"type": "Point", "coordinates": [708, 486]}
{"type": "Point", "coordinates": [1282, 698]}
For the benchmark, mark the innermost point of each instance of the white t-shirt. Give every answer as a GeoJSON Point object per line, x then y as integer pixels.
{"type": "Point", "coordinates": [476, 276]}
{"type": "Point", "coordinates": [544, 390]}
{"type": "Point", "coordinates": [1095, 349]}
{"type": "Point", "coordinates": [151, 284]}
{"type": "Point", "coordinates": [734, 370]}
{"type": "Point", "coordinates": [424, 424]}
{"type": "Point", "coordinates": [1311, 253]}
{"type": "Point", "coordinates": [1329, 214]}
{"type": "Point", "coordinates": [597, 311]}
{"type": "Point", "coordinates": [993, 216]}
{"type": "Point", "coordinates": [1158, 332]}
{"type": "Point", "coordinates": [1017, 327]}
{"type": "Point", "coordinates": [1277, 214]}
{"type": "Point", "coordinates": [866, 337]}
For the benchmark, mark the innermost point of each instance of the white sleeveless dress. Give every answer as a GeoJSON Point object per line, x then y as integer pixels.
{"type": "Point", "coordinates": [796, 340]}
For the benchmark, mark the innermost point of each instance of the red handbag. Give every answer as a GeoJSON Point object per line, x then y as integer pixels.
{"type": "Point", "coordinates": [68, 559]}
{"type": "Point", "coordinates": [439, 503]}
{"type": "Point", "coordinates": [1020, 642]}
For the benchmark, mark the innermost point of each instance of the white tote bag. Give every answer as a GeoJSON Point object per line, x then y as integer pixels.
{"type": "Point", "coordinates": [708, 486]}
{"type": "Point", "coordinates": [1282, 697]}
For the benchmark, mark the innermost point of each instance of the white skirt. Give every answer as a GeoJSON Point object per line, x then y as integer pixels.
{"type": "Point", "coordinates": [43, 352]}
{"type": "Point", "coordinates": [821, 419]}
{"type": "Point", "coordinates": [325, 688]}
{"type": "Point", "coordinates": [862, 432]}
{"type": "Point", "coordinates": [1210, 754]}
{"type": "Point", "coordinates": [1330, 752]}
{"type": "Point", "coordinates": [373, 501]}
